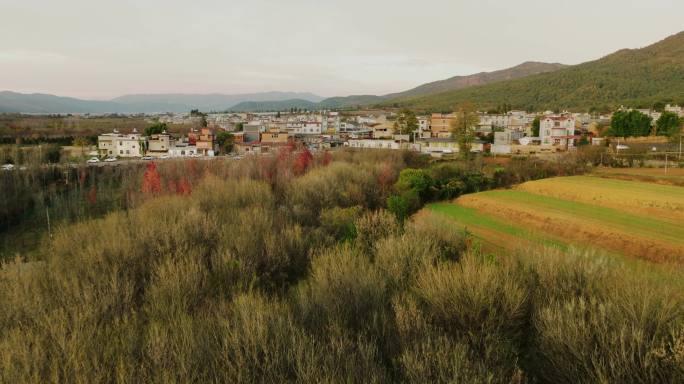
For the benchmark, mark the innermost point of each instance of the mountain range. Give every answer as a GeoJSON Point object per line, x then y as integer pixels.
{"type": "Point", "coordinates": [631, 77]}
{"type": "Point", "coordinates": [141, 103]}
{"type": "Point", "coordinates": [635, 77]}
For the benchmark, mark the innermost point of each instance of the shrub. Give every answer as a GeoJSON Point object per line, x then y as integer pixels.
{"type": "Point", "coordinates": [481, 305]}
{"type": "Point", "coordinates": [371, 227]}
{"type": "Point", "coordinates": [339, 222]}
{"type": "Point", "coordinates": [345, 290]}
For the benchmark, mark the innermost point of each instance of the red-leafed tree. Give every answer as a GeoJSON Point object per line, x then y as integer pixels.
{"type": "Point", "coordinates": [386, 177]}
{"type": "Point", "coordinates": [326, 158]}
{"type": "Point", "coordinates": [172, 186]}
{"type": "Point", "coordinates": [184, 188]}
{"type": "Point", "coordinates": [151, 180]}
{"type": "Point", "coordinates": [302, 161]}
{"type": "Point", "coordinates": [193, 169]}
{"type": "Point", "coordinates": [82, 175]}
{"type": "Point", "coordinates": [92, 195]}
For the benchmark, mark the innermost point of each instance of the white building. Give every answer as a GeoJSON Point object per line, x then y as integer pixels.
{"type": "Point", "coordinates": [309, 128]}
{"type": "Point", "coordinates": [182, 149]}
{"type": "Point", "coordinates": [557, 130]}
{"type": "Point", "coordinates": [121, 145]}
{"type": "Point", "coordinates": [424, 131]}
{"type": "Point", "coordinates": [373, 143]}
{"type": "Point", "coordinates": [675, 109]}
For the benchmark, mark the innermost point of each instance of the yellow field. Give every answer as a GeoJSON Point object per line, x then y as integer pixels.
{"type": "Point", "coordinates": [661, 201]}
{"type": "Point", "coordinates": [631, 218]}
{"type": "Point", "coordinates": [671, 176]}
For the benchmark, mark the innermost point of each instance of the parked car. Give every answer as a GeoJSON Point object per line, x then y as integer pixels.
{"type": "Point", "coordinates": [93, 160]}
{"type": "Point", "coordinates": [164, 156]}
{"type": "Point", "coordinates": [8, 167]}
{"type": "Point", "coordinates": [147, 158]}
{"type": "Point", "coordinates": [110, 159]}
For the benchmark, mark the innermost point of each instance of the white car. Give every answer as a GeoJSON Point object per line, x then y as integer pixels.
{"type": "Point", "coordinates": [164, 156]}
{"type": "Point", "coordinates": [621, 146]}
{"type": "Point", "coordinates": [8, 167]}
{"type": "Point", "coordinates": [110, 159]}
{"type": "Point", "coordinates": [93, 160]}
{"type": "Point", "coordinates": [147, 158]}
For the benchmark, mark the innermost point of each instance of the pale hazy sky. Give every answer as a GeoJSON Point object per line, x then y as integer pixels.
{"type": "Point", "coordinates": [106, 48]}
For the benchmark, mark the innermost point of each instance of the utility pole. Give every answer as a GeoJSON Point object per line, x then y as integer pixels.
{"type": "Point", "coordinates": [665, 162]}
{"type": "Point", "coordinates": [47, 214]}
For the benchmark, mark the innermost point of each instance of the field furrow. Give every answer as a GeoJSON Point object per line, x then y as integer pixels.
{"type": "Point", "coordinates": [623, 217]}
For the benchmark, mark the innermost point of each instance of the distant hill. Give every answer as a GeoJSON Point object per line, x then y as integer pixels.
{"type": "Point", "coordinates": [634, 77]}
{"type": "Point", "coordinates": [266, 106]}
{"type": "Point", "coordinates": [351, 101]}
{"type": "Point", "coordinates": [43, 103]}
{"type": "Point", "coordinates": [459, 82]}
{"type": "Point", "coordinates": [214, 101]}
{"type": "Point", "coordinates": [450, 84]}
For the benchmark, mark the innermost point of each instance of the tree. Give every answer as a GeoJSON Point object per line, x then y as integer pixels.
{"type": "Point", "coordinates": [239, 127]}
{"type": "Point", "coordinates": [535, 127]}
{"type": "Point", "coordinates": [406, 122]}
{"type": "Point", "coordinates": [52, 153]}
{"type": "Point", "coordinates": [151, 180]}
{"type": "Point", "coordinates": [669, 124]}
{"type": "Point", "coordinates": [417, 180]}
{"type": "Point", "coordinates": [463, 127]}
{"type": "Point", "coordinates": [155, 129]}
{"type": "Point", "coordinates": [203, 121]}
{"type": "Point", "coordinates": [658, 106]}
{"type": "Point", "coordinates": [81, 142]}
{"type": "Point", "coordinates": [225, 141]}
{"type": "Point", "coordinates": [630, 123]}
{"type": "Point", "coordinates": [302, 161]}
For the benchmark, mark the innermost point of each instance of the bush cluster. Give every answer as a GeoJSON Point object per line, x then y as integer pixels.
{"type": "Point", "coordinates": [243, 282]}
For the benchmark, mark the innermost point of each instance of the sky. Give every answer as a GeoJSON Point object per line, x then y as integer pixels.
{"type": "Point", "coordinates": [100, 49]}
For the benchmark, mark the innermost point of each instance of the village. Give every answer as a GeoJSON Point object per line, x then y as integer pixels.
{"type": "Point", "coordinates": [510, 132]}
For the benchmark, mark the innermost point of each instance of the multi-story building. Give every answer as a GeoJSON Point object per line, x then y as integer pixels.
{"type": "Point", "coordinates": [160, 144]}
{"type": "Point", "coordinates": [424, 127]}
{"type": "Point", "coordinates": [106, 144]}
{"type": "Point", "coordinates": [204, 141]}
{"type": "Point", "coordinates": [557, 130]}
{"type": "Point", "coordinates": [121, 145]}
{"type": "Point", "coordinates": [440, 125]}
{"type": "Point", "coordinates": [275, 138]}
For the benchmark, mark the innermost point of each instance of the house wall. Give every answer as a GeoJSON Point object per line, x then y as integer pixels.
{"type": "Point", "coordinates": [159, 143]}
{"type": "Point", "coordinates": [440, 124]}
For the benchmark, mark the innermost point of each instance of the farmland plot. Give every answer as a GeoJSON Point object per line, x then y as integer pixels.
{"type": "Point", "coordinates": [661, 201]}
{"type": "Point", "coordinates": [646, 223]}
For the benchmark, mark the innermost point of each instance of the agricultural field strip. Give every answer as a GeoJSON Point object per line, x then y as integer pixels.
{"type": "Point", "coordinates": [633, 225]}
{"type": "Point", "coordinates": [512, 237]}
{"type": "Point", "coordinates": [637, 197]}
{"type": "Point", "coordinates": [475, 221]}
{"type": "Point", "coordinates": [674, 176]}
